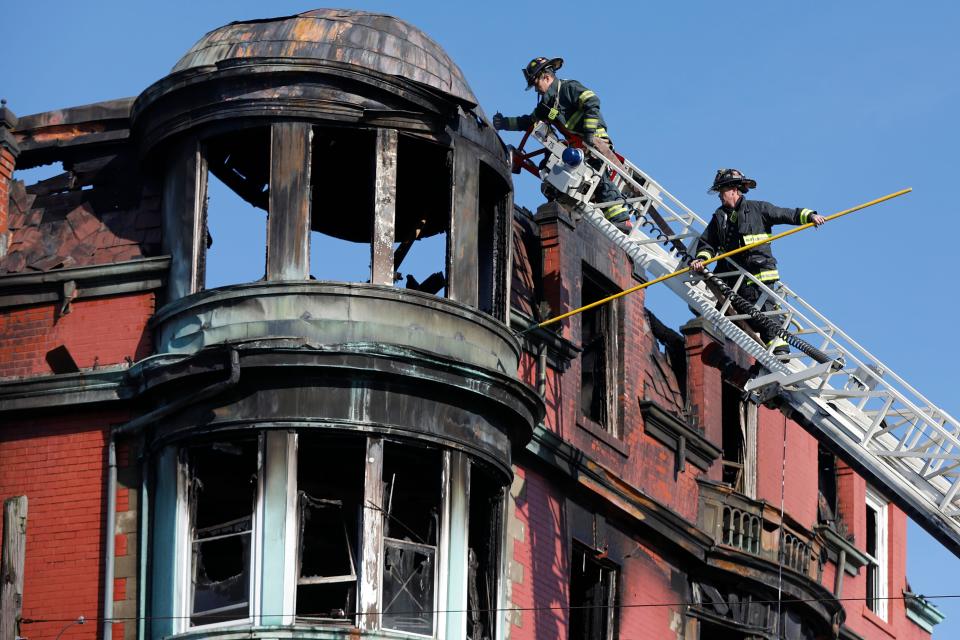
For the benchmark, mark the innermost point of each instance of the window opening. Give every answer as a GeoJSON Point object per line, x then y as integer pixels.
{"type": "Point", "coordinates": [235, 232]}
{"type": "Point", "coordinates": [877, 552]}
{"type": "Point", "coordinates": [222, 487]}
{"type": "Point", "coordinates": [411, 523]}
{"type": "Point", "coordinates": [600, 357]}
{"type": "Point", "coordinates": [419, 264]}
{"type": "Point", "coordinates": [717, 631]}
{"type": "Point", "coordinates": [342, 182]}
{"type": "Point", "coordinates": [734, 437]}
{"type": "Point", "coordinates": [491, 247]}
{"type": "Point", "coordinates": [593, 596]}
{"type": "Point", "coordinates": [422, 215]}
{"type": "Point", "coordinates": [330, 494]}
{"type": "Point", "coordinates": [483, 543]}
{"type": "Point", "coordinates": [827, 488]}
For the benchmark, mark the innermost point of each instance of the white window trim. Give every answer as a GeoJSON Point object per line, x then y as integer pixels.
{"type": "Point", "coordinates": [882, 559]}
{"type": "Point", "coordinates": [184, 552]}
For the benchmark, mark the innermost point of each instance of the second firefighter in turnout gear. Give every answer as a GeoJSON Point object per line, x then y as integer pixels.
{"type": "Point", "coordinates": [569, 103]}
{"type": "Point", "coordinates": [738, 222]}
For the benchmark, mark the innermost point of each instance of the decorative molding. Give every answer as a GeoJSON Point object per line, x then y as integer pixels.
{"type": "Point", "coordinates": [560, 351]}
{"type": "Point", "coordinates": [63, 390]}
{"type": "Point", "coordinates": [686, 442]}
{"type": "Point", "coordinates": [66, 285]}
{"type": "Point", "coordinates": [834, 543]}
{"type": "Point", "coordinates": [921, 611]}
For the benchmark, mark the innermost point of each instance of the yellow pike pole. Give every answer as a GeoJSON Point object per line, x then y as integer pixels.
{"type": "Point", "coordinates": [719, 257]}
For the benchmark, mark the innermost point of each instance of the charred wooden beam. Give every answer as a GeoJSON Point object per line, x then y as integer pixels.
{"type": "Point", "coordinates": [384, 208]}
{"type": "Point", "coordinates": [372, 534]}
{"type": "Point", "coordinates": [288, 223]}
{"type": "Point", "coordinates": [462, 242]}
{"type": "Point", "coordinates": [183, 211]}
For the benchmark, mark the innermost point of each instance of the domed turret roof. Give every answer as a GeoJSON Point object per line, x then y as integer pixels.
{"type": "Point", "coordinates": [369, 40]}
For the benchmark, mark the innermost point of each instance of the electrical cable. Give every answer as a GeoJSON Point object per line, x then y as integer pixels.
{"type": "Point", "coordinates": [639, 605]}
{"type": "Point", "coordinates": [783, 485]}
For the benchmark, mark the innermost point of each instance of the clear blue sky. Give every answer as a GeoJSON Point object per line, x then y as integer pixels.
{"type": "Point", "coordinates": [826, 104]}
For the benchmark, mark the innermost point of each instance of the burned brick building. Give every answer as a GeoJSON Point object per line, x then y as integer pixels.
{"type": "Point", "coordinates": [394, 456]}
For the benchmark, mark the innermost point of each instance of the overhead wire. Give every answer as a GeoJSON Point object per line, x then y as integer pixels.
{"type": "Point", "coordinates": [635, 605]}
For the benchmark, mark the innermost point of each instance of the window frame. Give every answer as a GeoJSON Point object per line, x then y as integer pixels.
{"type": "Point", "coordinates": [612, 572]}
{"type": "Point", "coordinates": [878, 568]}
{"type": "Point", "coordinates": [184, 549]}
{"type": "Point", "coordinates": [611, 317]}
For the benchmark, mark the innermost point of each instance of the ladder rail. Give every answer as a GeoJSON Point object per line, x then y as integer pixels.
{"type": "Point", "coordinates": [895, 434]}
{"type": "Point", "coordinates": [934, 418]}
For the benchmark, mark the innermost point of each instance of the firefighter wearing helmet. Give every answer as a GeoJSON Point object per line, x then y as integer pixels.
{"type": "Point", "coordinates": [738, 222]}
{"type": "Point", "coordinates": [571, 104]}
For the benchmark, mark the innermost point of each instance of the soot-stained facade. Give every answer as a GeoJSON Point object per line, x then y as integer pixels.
{"type": "Point", "coordinates": [396, 455]}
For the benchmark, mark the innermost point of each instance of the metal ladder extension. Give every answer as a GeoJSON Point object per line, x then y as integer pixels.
{"type": "Point", "coordinates": [874, 419]}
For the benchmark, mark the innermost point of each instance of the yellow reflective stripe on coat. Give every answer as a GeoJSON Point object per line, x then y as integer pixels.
{"type": "Point", "coordinates": [574, 120]}
{"type": "Point", "coordinates": [757, 237]}
{"type": "Point", "coordinates": [767, 276]}
{"type": "Point", "coordinates": [704, 255]}
{"type": "Point", "coordinates": [586, 95]}
{"type": "Point", "coordinates": [591, 124]}
{"type": "Point", "coordinates": [805, 215]}
{"type": "Point", "coordinates": [614, 211]}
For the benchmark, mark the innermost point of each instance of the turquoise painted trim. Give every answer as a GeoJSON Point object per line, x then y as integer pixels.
{"type": "Point", "coordinates": [276, 502]}
{"type": "Point", "coordinates": [164, 520]}
{"type": "Point", "coordinates": [458, 527]}
{"type": "Point", "coordinates": [144, 532]}
{"type": "Point", "coordinates": [922, 612]}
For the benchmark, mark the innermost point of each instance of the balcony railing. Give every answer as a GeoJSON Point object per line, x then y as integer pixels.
{"type": "Point", "coordinates": [753, 527]}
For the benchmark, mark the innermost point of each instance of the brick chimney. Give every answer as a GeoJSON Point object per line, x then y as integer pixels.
{"type": "Point", "coordinates": [8, 159]}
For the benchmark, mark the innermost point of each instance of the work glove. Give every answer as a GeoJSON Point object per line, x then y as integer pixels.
{"type": "Point", "coordinates": [499, 122]}
{"type": "Point", "coordinates": [588, 139]}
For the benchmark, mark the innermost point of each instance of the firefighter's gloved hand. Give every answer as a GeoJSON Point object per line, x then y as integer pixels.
{"type": "Point", "coordinates": [499, 122]}
{"type": "Point", "coordinates": [588, 139]}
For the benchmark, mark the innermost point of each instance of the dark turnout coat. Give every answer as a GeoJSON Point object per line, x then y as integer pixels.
{"type": "Point", "coordinates": [751, 221]}
{"type": "Point", "coordinates": [569, 103]}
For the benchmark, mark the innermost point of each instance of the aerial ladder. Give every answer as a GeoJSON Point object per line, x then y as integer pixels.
{"type": "Point", "coordinates": [887, 430]}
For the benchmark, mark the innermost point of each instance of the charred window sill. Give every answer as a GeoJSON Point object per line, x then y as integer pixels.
{"type": "Point", "coordinates": [600, 433]}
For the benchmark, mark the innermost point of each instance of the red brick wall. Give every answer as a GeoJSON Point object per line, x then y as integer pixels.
{"type": "Point", "coordinates": [801, 485]}
{"type": "Point", "coordinates": [637, 458]}
{"type": "Point", "coordinates": [705, 391]}
{"type": "Point", "coordinates": [103, 331]}
{"type": "Point", "coordinates": [59, 464]}
{"type": "Point", "coordinates": [645, 580]}
{"type": "Point", "coordinates": [540, 550]}
{"type": "Point", "coordinates": [852, 496]}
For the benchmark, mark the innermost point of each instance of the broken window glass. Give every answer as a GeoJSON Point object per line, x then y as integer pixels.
{"type": "Point", "coordinates": [486, 502]}
{"type": "Point", "coordinates": [592, 596]}
{"type": "Point", "coordinates": [223, 486]}
{"type": "Point", "coordinates": [408, 578]}
{"type": "Point", "coordinates": [411, 523]}
{"type": "Point", "coordinates": [330, 481]}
